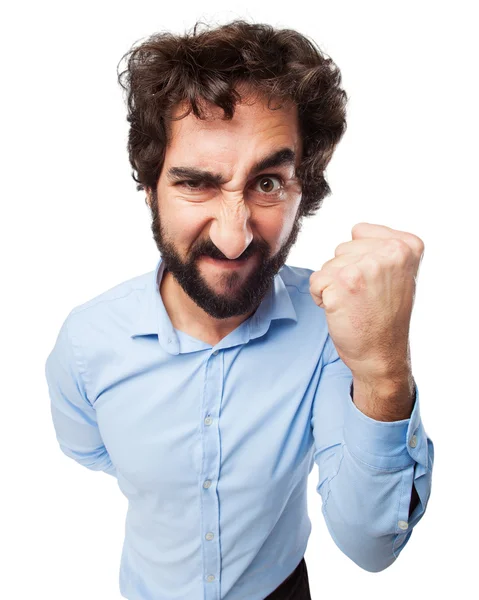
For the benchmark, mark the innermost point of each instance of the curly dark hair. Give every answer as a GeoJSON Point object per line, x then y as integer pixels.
{"type": "Point", "coordinates": [205, 67]}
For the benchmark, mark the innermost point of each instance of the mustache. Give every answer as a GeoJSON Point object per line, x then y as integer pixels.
{"type": "Point", "coordinates": [213, 252]}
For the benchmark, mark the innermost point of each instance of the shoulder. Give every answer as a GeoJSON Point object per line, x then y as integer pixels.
{"type": "Point", "coordinates": [312, 327]}
{"type": "Point", "coordinates": [114, 307]}
{"type": "Point", "coordinates": [296, 281]}
{"type": "Point", "coordinates": [296, 277]}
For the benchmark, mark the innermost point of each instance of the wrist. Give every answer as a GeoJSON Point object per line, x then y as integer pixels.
{"type": "Point", "coordinates": [386, 398]}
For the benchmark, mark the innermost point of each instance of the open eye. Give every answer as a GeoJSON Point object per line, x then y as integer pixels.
{"type": "Point", "coordinates": [267, 189]}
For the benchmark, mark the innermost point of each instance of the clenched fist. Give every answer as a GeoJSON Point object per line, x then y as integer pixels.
{"type": "Point", "coordinates": [367, 291]}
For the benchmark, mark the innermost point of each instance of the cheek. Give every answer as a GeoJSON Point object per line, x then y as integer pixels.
{"type": "Point", "coordinates": [182, 223]}
{"type": "Point", "coordinates": [275, 226]}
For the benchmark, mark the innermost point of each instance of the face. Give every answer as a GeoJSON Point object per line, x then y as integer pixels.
{"type": "Point", "coordinates": [224, 235]}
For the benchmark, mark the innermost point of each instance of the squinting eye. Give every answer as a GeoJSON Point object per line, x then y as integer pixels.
{"type": "Point", "coordinates": [197, 184]}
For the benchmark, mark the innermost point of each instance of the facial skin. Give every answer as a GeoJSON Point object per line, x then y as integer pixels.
{"type": "Point", "coordinates": [248, 214]}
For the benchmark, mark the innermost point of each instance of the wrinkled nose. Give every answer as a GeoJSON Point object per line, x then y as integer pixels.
{"type": "Point", "coordinates": [230, 231]}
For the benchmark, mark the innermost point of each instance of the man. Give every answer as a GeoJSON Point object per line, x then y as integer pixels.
{"type": "Point", "coordinates": [211, 385]}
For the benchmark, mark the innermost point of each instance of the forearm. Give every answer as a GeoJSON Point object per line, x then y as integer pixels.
{"type": "Point", "coordinates": [374, 475]}
{"type": "Point", "coordinates": [95, 460]}
{"type": "Point", "coordinates": [367, 511]}
{"type": "Point", "coordinates": [399, 397]}
{"type": "Point", "coordinates": [393, 401]}
{"type": "Point", "coordinates": [373, 491]}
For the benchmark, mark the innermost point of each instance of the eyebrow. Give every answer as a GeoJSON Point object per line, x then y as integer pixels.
{"type": "Point", "coordinates": [279, 158]}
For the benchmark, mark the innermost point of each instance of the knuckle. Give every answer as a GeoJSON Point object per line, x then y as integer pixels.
{"type": "Point", "coordinates": [395, 245]}
{"type": "Point", "coordinates": [326, 264]}
{"type": "Point", "coordinates": [399, 250]}
{"type": "Point", "coordinates": [351, 276]}
{"type": "Point", "coordinates": [419, 245]}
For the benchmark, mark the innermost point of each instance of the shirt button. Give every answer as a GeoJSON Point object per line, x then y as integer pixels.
{"type": "Point", "coordinates": [413, 441]}
{"type": "Point", "coordinates": [210, 578]}
{"type": "Point", "coordinates": [209, 535]}
{"type": "Point", "coordinates": [207, 484]}
{"type": "Point", "coordinates": [403, 525]}
{"type": "Point", "coordinates": [215, 352]}
{"type": "Point", "coordinates": [208, 421]}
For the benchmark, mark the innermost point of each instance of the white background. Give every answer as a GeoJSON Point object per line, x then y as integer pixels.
{"type": "Point", "coordinates": [73, 225]}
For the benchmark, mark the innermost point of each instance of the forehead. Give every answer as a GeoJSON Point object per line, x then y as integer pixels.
{"type": "Point", "coordinates": [253, 131]}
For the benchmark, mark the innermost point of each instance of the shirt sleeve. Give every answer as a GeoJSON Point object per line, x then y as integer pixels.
{"type": "Point", "coordinates": [74, 417]}
{"type": "Point", "coordinates": [367, 470]}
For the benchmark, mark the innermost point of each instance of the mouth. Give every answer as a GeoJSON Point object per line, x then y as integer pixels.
{"type": "Point", "coordinates": [227, 263]}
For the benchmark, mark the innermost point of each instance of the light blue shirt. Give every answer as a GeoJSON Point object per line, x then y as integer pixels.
{"type": "Point", "coordinates": [212, 445]}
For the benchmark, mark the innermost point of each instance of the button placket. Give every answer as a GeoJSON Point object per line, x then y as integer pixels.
{"type": "Point", "coordinates": [213, 390]}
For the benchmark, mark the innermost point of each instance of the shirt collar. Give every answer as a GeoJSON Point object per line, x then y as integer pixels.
{"type": "Point", "coordinates": [153, 318]}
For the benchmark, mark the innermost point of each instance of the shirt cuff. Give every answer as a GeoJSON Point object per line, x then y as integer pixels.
{"type": "Point", "coordinates": [386, 445]}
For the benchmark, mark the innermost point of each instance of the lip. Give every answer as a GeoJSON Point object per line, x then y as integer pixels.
{"type": "Point", "coordinates": [226, 264]}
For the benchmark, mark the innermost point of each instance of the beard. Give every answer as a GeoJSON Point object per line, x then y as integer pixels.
{"type": "Point", "coordinates": [248, 296]}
